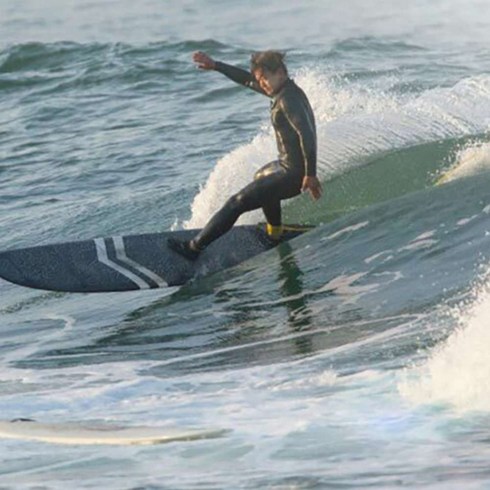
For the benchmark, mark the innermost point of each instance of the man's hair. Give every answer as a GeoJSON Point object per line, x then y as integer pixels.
{"type": "Point", "coordinates": [268, 60]}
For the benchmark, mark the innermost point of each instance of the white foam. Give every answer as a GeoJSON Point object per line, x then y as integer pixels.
{"type": "Point", "coordinates": [418, 245]}
{"type": "Point", "coordinates": [465, 221]}
{"type": "Point", "coordinates": [230, 174]}
{"type": "Point", "coordinates": [346, 285]}
{"type": "Point", "coordinates": [347, 229]}
{"type": "Point", "coordinates": [457, 373]}
{"type": "Point", "coordinates": [471, 160]}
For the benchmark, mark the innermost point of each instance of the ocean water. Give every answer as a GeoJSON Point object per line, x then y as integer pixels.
{"type": "Point", "coordinates": [356, 356]}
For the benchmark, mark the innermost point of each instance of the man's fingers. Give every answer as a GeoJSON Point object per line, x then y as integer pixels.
{"type": "Point", "coordinates": [201, 58]}
{"type": "Point", "coordinates": [203, 61]}
{"type": "Point", "coordinates": [313, 186]}
{"type": "Point", "coordinates": [316, 192]}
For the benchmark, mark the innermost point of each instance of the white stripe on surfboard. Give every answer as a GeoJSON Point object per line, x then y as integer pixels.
{"type": "Point", "coordinates": [121, 255]}
{"type": "Point", "coordinates": [102, 257]}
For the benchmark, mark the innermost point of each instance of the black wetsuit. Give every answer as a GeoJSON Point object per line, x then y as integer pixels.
{"type": "Point", "coordinates": [294, 126]}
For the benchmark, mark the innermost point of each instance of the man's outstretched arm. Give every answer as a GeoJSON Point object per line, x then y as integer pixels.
{"type": "Point", "coordinates": [242, 77]}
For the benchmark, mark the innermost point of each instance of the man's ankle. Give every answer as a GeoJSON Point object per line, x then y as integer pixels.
{"type": "Point", "coordinates": [274, 231]}
{"type": "Point", "coordinates": [194, 247]}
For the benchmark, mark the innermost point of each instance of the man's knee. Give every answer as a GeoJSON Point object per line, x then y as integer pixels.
{"type": "Point", "coordinates": [265, 172]}
{"type": "Point", "coordinates": [259, 174]}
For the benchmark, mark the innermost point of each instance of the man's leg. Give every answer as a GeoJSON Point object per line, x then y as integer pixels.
{"type": "Point", "coordinates": [248, 199]}
{"type": "Point", "coordinates": [272, 183]}
{"type": "Point", "coordinates": [272, 207]}
{"type": "Point", "coordinates": [226, 217]}
{"type": "Point", "coordinates": [272, 213]}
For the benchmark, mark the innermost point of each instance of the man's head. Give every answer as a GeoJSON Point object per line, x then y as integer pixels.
{"type": "Point", "coordinates": [269, 70]}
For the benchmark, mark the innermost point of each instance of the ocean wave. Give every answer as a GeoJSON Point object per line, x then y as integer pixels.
{"type": "Point", "coordinates": [61, 55]}
{"type": "Point", "coordinates": [456, 372]}
{"type": "Point", "coordinates": [359, 125]}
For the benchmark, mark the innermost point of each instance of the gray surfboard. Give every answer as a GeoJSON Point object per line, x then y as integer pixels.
{"type": "Point", "coordinates": [124, 263]}
{"type": "Point", "coordinates": [83, 433]}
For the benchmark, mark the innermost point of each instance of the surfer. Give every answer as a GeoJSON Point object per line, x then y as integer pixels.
{"type": "Point", "coordinates": [292, 173]}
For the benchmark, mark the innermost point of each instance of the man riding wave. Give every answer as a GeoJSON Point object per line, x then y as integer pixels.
{"type": "Point", "coordinates": [293, 172]}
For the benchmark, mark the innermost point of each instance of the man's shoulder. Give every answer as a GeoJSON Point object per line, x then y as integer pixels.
{"type": "Point", "coordinates": [293, 94]}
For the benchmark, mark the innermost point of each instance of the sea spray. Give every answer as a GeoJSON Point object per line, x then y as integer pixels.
{"type": "Point", "coordinates": [457, 372]}
{"type": "Point", "coordinates": [472, 159]}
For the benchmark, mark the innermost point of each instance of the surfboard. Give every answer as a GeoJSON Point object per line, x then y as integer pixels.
{"type": "Point", "coordinates": [124, 263]}
{"type": "Point", "coordinates": [97, 433]}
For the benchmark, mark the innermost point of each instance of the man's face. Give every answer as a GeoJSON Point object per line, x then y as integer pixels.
{"type": "Point", "coordinates": [270, 82]}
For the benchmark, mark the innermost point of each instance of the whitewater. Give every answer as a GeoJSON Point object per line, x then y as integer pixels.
{"type": "Point", "coordinates": [354, 356]}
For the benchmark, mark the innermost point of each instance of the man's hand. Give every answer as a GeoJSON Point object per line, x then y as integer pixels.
{"type": "Point", "coordinates": [312, 184]}
{"type": "Point", "coordinates": [203, 61]}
